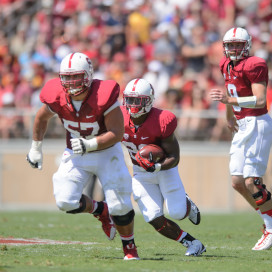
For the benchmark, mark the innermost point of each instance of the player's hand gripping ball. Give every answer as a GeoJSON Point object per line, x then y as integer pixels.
{"type": "Point", "coordinates": [150, 155]}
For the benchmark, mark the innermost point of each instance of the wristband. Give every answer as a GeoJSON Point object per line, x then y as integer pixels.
{"type": "Point", "coordinates": [36, 145]}
{"type": "Point", "coordinates": [92, 144]}
{"type": "Point", "coordinates": [247, 101]}
{"type": "Point", "coordinates": [157, 167]}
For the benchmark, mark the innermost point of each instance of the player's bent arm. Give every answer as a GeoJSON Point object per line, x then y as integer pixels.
{"type": "Point", "coordinates": [40, 123]}
{"type": "Point", "coordinates": [114, 122]}
{"type": "Point", "coordinates": [257, 100]}
{"type": "Point", "coordinates": [171, 147]}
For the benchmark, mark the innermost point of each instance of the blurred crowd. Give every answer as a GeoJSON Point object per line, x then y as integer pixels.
{"type": "Point", "coordinates": [175, 45]}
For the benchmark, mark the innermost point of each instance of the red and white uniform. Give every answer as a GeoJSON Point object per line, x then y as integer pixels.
{"type": "Point", "coordinates": [89, 121]}
{"type": "Point", "coordinates": [75, 169]}
{"type": "Point", "coordinates": [251, 144]}
{"type": "Point", "coordinates": [238, 81]}
{"type": "Point", "coordinates": [151, 190]}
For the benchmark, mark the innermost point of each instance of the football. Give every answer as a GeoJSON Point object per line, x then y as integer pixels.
{"type": "Point", "coordinates": [157, 152]}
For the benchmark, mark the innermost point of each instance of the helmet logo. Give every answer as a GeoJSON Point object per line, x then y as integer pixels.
{"type": "Point", "coordinates": [89, 62]}
{"type": "Point", "coordinates": [152, 89]}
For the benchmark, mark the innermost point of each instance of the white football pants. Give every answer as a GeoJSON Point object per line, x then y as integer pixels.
{"type": "Point", "coordinates": [152, 190]}
{"type": "Point", "coordinates": [108, 165]}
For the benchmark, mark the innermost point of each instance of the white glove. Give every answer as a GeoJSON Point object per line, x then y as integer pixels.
{"type": "Point", "coordinates": [35, 156]}
{"type": "Point", "coordinates": [81, 145]}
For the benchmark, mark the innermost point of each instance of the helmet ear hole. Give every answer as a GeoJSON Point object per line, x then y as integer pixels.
{"type": "Point", "coordinates": [138, 97]}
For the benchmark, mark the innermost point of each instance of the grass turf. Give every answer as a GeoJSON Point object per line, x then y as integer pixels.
{"type": "Point", "coordinates": [227, 237]}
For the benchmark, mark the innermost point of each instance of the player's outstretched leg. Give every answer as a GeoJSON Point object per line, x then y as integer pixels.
{"type": "Point", "coordinates": [172, 231]}
{"type": "Point", "coordinates": [104, 217]}
{"type": "Point", "coordinates": [194, 214]}
{"type": "Point", "coordinates": [265, 242]}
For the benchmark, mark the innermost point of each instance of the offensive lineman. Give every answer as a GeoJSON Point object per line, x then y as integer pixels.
{"type": "Point", "coordinates": [90, 113]}
{"type": "Point", "coordinates": [246, 79]}
{"type": "Point", "coordinates": [154, 184]}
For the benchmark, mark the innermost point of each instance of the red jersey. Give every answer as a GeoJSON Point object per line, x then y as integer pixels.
{"type": "Point", "coordinates": [238, 80]}
{"type": "Point", "coordinates": [89, 120]}
{"type": "Point", "coordinates": [159, 125]}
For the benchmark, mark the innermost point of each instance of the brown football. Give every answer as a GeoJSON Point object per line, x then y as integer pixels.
{"type": "Point", "coordinates": [157, 152]}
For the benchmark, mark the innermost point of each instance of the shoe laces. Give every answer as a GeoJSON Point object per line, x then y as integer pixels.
{"type": "Point", "coordinates": [193, 207]}
{"type": "Point", "coordinates": [186, 243]}
{"type": "Point", "coordinates": [265, 234]}
{"type": "Point", "coordinates": [264, 229]}
{"type": "Point", "coordinates": [130, 247]}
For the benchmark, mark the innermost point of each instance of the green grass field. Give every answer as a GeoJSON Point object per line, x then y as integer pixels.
{"type": "Point", "coordinates": [227, 237]}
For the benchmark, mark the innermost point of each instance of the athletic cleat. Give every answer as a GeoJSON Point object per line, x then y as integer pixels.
{"type": "Point", "coordinates": [265, 242]}
{"type": "Point", "coordinates": [107, 223]}
{"type": "Point", "coordinates": [194, 248]}
{"type": "Point", "coordinates": [194, 215]}
{"type": "Point", "coordinates": [130, 252]}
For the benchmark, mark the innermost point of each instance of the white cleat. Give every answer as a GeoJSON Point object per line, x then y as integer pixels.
{"type": "Point", "coordinates": [265, 242]}
{"type": "Point", "coordinates": [194, 215]}
{"type": "Point", "coordinates": [194, 248]}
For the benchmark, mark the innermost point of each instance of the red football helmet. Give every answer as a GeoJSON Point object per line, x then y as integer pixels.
{"type": "Point", "coordinates": [236, 43]}
{"type": "Point", "coordinates": [138, 97]}
{"type": "Point", "coordinates": [76, 73]}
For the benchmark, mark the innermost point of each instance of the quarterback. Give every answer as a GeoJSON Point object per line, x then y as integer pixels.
{"type": "Point", "coordinates": [154, 184]}
{"type": "Point", "coordinates": [246, 79]}
{"type": "Point", "coordinates": [91, 115]}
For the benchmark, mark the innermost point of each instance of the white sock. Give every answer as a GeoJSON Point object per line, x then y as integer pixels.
{"type": "Point", "coordinates": [268, 222]}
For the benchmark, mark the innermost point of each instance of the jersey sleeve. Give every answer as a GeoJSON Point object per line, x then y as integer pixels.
{"type": "Point", "coordinates": [256, 70]}
{"type": "Point", "coordinates": [108, 95]}
{"type": "Point", "coordinates": [51, 91]}
{"type": "Point", "coordinates": [168, 123]}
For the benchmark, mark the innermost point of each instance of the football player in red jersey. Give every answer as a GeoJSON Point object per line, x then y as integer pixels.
{"type": "Point", "coordinates": [154, 184]}
{"type": "Point", "coordinates": [246, 79]}
{"type": "Point", "coordinates": [91, 115]}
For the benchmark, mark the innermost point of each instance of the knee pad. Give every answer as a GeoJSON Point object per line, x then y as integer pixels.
{"type": "Point", "coordinates": [65, 206]}
{"type": "Point", "coordinates": [123, 220]}
{"type": "Point", "coordinates": [81, 208]}
{"type": "Point", "coordinates": [263, 193]}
